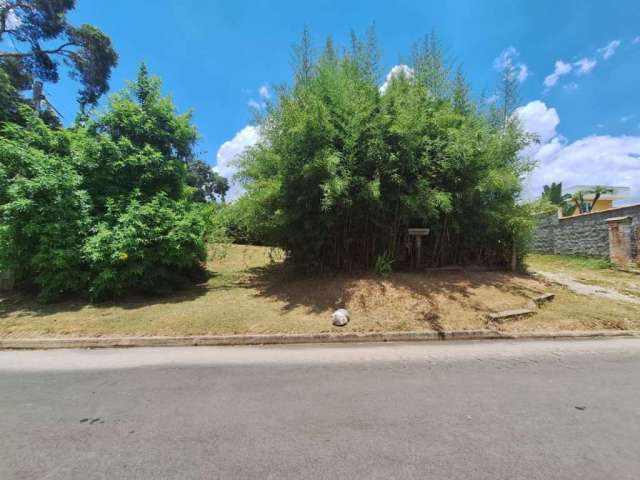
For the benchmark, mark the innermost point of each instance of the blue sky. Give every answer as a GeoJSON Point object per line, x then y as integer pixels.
{"type": "Point", "coordinates": [214, 56]}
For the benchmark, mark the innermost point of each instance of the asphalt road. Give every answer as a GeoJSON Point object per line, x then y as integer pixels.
{"type": "Point", "coordinates": [463, 410]}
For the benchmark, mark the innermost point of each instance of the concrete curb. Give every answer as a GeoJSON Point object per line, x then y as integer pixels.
{"type": "Point", "coordinates": [351, 337]}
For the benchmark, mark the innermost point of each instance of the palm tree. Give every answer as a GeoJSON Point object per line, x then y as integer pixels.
{"type": "Point", "coordinates": [597, 191]}
{"type": "Point", "coordinates": [578, 199]}
{"type": "Point", "coordinates": [553, 193]}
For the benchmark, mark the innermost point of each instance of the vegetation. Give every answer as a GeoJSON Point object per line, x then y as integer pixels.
{"type": "Point", "coordinates": [345, 167]}
{"type": "Point", "coordinates": [104, 207]}
{"type": "Point", "coordinates": [553, 194]}
{"type": "Point", "coordinates": [34, 23]}
{"type": "Point", "coordinates": [119, 202]}
{"type": "Point", "coordinates": [597, 192]}
{"type": "Point", "coordinates": [253, 291]}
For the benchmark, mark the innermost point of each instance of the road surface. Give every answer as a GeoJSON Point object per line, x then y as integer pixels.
{"type": "Point", "coordinates": [460, 410]}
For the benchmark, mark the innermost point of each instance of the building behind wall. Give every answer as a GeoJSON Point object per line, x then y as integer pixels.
{"type": "Point", "coordinates": [606, 201]}
{"type": "Point", "coordinates": [589, 234]}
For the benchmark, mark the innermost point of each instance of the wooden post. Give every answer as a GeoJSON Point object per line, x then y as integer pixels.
{"type": "Point", "coordinates": [418, 233]}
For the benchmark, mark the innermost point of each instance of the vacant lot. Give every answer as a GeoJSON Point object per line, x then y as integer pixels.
{"type": "Point", "coordinates": [251, 290]}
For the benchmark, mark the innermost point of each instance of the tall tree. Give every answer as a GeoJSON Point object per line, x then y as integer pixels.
{"type": "Point", "coordinates": [302, 57]}
{"type": "Point", "coordinates": [366, 53]}
{"type": "Point", "coordinates": [36, 24]}
{"type": "Point", "coordinates": [342, 172]}
{"type": "Point", "coordinates": [460, 95]}
{"type": "Point", "coordinates": [208, 183]}
{"type": "Point", "coordinates": [508, 93]}
{"type": "Point", "coordinates": [553, 193]}
{"type": "Point", "coordinates": [430, 66]}
{"type": "Point", "coordinates": [598, 191]}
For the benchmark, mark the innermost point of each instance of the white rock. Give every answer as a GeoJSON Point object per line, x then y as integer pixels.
{"type": "Point", "coordinates": [340, 317]}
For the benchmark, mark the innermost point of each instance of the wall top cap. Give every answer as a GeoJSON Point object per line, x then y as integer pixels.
{"type": "Point", "coordinates": [625, 219]}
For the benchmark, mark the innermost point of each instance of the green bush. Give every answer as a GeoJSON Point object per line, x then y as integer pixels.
{"type": "Point", "coordinates": [345, 168]}
{"type": "Point", "coordinates": [152, 247]}
{"type": "Point", "coordinates": [103, 208]}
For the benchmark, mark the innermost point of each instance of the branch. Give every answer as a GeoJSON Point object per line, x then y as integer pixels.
{"type": "Point", "coordinates": [60, 49]}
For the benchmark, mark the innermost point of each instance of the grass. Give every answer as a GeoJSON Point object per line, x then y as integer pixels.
{"type": "Point", "coordinates": [592, 271]}
{"type": "Point", "coordinates": [251, 290]}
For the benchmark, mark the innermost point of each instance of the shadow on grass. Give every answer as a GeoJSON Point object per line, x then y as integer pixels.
{"type": "Point", "coordinates": [26, 305]}
{"type": "Point", "coordinates": [325, 292]}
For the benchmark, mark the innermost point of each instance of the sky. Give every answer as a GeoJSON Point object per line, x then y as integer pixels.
{"type": "Point", "coordinates": [578, 64]}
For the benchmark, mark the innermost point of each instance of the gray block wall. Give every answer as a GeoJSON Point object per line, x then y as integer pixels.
{"type": "Point", "coordinates": [586, 234]}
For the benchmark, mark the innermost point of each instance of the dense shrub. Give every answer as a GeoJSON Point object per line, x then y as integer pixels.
{"type": "Point", "coordinates": [103, 208]}
{"type": "Point", "coordinates": [345, 167]}
{"type": "Point", "coordinates": [45, 215]}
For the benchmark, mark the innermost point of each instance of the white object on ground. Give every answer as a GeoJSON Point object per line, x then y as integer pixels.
{"type": "Point", "coordinates": [340, 317]}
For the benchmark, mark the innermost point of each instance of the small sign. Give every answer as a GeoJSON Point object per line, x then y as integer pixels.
{"type": "Point", "coordinates": [419, 231]}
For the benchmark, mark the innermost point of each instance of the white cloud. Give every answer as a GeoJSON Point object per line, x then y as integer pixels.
{"type": "Point", "coordinates": [264, 92]}
{"type": "Point", "coordinates": [228, 154]}
{"type": "Point", "coordinates": [609, 49]}
{"type": "Point", "coordinates": [593, 160]}
{"type": "Point", "coordinates": [570, 87]}
{"type": "Point", "coordinates": [626, 118]}
{"type": "Point", "coordinates": [585, 65]}
{"type": "Point", "coordinates": [523, 73]}
{"type": "Point", "coordinates": [253, 104]}
{"type": "Point", "coordinates": [560, 69]}
{"type": "Point", "coordinates": [397, 71]}
{"type": "Point", "coordinates": [12, 21]}
{"type": "Point", "coordinates": [536, 118]}
{"type": "Point", "coordinates": [508, 58]}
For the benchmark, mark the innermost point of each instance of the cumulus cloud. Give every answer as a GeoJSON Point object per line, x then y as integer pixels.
{"type": "Point", "coordinates": [228, 154]}
{"type": "Point", "coordinates": [593, 160]}
{"type": "Point", "coordinates": [509, 58]}
{"type": "Point", "coordinates": [585, 65]}
{"type": "Point", "coordinates": [535, 117]}
{"type": "Point", "coordinates": [397, 71]}
{"type": "Point", "coordinates": [264, 92]}
{"type": "Point", "coordinates": [609, 49]}
{"type": "Point", "coordinates": [560, 69]}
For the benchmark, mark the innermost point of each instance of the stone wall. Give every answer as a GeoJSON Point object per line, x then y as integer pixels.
{"type": "Point", "coordinates": [586, 234]}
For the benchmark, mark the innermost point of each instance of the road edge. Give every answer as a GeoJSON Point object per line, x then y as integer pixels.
{"type": "Point", "coordinates": [302, 338]}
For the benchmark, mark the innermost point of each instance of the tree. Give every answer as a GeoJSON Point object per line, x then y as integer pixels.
{"type": "Point", "coordinates": [554, 194]}
{"type": "Point", "coordinates": [578, 199]}
{"type": "Point", "coordinates": [302, 57]}
{"type": "Point", "coordinates": [460, 94]}
{"type": "Point", "coordinates": [35, 24]}
{"type": "Point", "coordinates": [508, 92]}
{"type": "Point", "coordinates": [343, 172]}
{"type": "Point", "coordinates": [598, 191]}
{"type": "Point", "coordinates": [208, 183]}
{"type": "Point", "coordinates": [103, 208]}
{"type": "Point", "coordinates": [430, 66]}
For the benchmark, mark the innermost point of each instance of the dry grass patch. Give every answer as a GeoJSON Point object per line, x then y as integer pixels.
{"type": "Point", "coordinates": [251, 290]}
{"type": "Point", "coordinates": [588, 270]}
